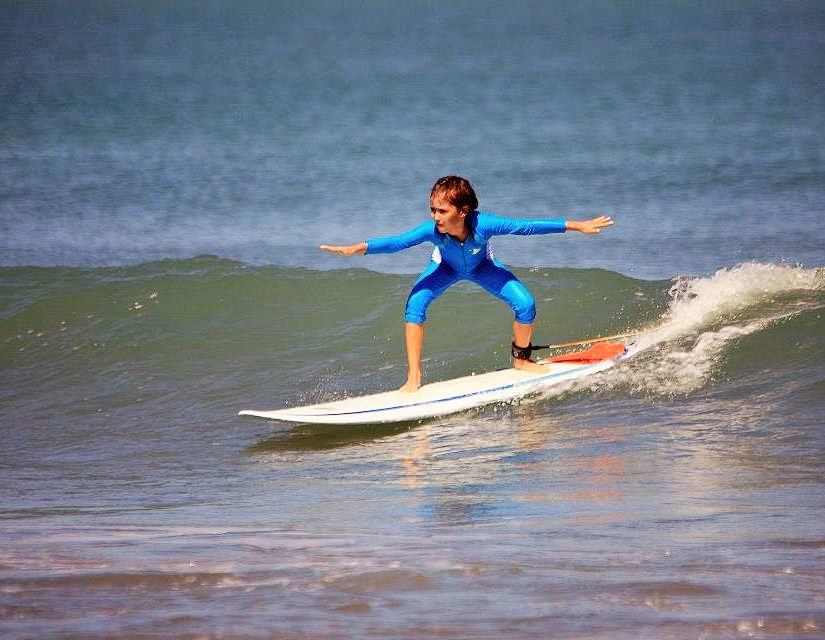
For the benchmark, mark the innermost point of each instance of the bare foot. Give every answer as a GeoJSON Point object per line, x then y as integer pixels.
{"type": "Point", "coordinates": [412, 385]}
{"type": "Point", "coordinates": [529, 365]}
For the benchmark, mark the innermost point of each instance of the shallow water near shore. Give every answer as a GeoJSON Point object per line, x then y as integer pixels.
{"type": "Point", "coordinates": [166, 174]}
{"type": "Point", "coordinates": [677, 495]}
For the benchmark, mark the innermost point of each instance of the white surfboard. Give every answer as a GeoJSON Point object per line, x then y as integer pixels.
{"type": "Point", "coordinates": [439, 398]}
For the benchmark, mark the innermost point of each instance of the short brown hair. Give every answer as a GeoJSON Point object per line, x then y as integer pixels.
{"type": "Point", "coordinates": [457, 191]}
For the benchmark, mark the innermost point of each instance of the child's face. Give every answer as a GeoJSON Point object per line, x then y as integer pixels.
{"type": "Point", "coordinates": [448, 218]}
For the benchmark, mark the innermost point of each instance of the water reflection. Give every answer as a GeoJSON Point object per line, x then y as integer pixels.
{"type": "Point", "coordinates": [508, 464]}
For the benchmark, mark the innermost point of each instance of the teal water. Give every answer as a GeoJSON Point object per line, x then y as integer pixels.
{"type": "Point", "coordinates": [167, 171]}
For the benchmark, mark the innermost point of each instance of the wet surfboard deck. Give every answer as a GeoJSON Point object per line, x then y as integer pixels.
{"type": "Point", "coordinates": [440, 398]}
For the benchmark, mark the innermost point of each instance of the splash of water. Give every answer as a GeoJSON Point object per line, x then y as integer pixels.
{"type": "Point", "coordinates": [730, 294]}
{"type": "Point", "coordinates": [708, 314]}
{"type": "Point", "coordinates": [705, 317]}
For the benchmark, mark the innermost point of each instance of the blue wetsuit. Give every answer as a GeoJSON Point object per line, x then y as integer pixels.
{"type": "Point", "coordinates": [468, 260]}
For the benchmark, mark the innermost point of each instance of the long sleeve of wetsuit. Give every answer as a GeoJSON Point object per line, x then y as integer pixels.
{"type": "Point", "coordinates": [490, 224]}
{"type": "Point", "coordinates": [390, 244]}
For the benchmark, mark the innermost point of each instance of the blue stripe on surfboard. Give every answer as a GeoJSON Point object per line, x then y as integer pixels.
{"type": "Point", "coordinates": [451, 398]}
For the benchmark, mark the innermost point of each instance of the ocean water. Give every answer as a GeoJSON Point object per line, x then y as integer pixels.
{"type": "Point", "coordinates": [167, 171]}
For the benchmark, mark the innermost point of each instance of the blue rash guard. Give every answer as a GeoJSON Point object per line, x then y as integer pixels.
{"type": "Point", "coordinates": [469, 260]}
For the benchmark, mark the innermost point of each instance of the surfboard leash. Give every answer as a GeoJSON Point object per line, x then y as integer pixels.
{"type": "Point", "coordinates": [574, 343]}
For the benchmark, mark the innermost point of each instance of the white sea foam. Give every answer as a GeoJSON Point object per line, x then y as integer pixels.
{"type": "Point", "coordinates": [706, 315]}
{"type": "Point", "coordinates": [729, 293]}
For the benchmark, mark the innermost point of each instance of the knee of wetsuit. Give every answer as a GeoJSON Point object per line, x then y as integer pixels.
{"type": "Point", "coordinates": [525, 309]}
{"type": "Point", "coordinates": [417, 304]}
{"type": "Point", "coordinates": [416, 317]}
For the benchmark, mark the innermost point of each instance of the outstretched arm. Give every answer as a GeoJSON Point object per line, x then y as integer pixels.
{"type": "Point", "coordinates": [493, 225]}
{"type": "Point", "coordinates": [347, 249]}
{"type": "Point", "coordinates": [595, 225]}
{"type": "Point", "coordinates": [389, 244]}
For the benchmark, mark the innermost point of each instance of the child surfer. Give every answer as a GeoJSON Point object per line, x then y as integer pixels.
{"type": "Point", "coordinates": [460, 234]}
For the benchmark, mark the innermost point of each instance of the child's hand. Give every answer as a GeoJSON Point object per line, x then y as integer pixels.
{"type": "Point", "coordinates": [594, 225]}
{"type": "Point", "coordinates": [346, 250]}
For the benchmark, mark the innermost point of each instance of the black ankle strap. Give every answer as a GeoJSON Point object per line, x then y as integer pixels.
{"type": "Point", "coordinates": [522, 353]}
